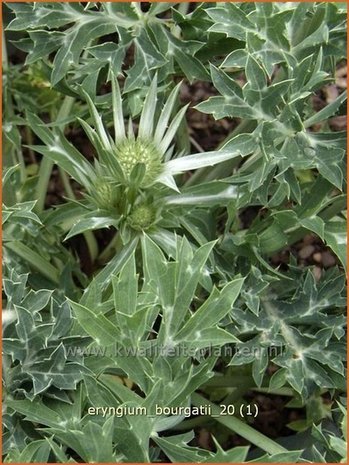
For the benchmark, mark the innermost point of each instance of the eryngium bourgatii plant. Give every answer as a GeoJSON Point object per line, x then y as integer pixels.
{"type": "Point", "coordinates": [135, 170]}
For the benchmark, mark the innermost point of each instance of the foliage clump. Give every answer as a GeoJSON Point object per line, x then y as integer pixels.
{"type": "Point", "coordinates": [156, 272]}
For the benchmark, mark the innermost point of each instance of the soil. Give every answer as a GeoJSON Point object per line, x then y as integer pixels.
{"type": "Point", "coordinates": [206, 133]}
{"type": "Point", "coordinates": [310, 251]}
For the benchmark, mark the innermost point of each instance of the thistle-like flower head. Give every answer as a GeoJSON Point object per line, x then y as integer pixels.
{"type": "Point", "coordinates": [120, 181]}
{"type": "Point", "coordinates": [150, 145]}
{"type": "Point", "coordinates": [141, 159]}
{"type": "Point", "coordinates": [132, 151]}
{"type": "Point", "coordinates": [102, 194]}
{"type": "Point", "coordinates": [142, 217]}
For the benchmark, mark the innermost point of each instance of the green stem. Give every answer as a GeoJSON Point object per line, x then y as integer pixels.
{"type": "Point", "coordinates": [240, 427]}
{"type": "Point", "coordinates": [196, 144]}
{"type": "Point", "coordinates": [35, 260]}
{"type": "Point", "coordinates": [46, 164]}
{"type": "Point", "coordinates": [192, 423]}
{"type": "Point", "coordinates": [29, 138]}
{"type": "Point", "coordinates": [284, 391]}
{"type": "Point", "coordinates": [67, 187]}
{"type": "Point", "coordinates": [42, 184]}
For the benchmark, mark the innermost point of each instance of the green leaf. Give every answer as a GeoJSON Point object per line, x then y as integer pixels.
{"type": "Point", "coordinates": [255, 74]}
{"type": "Point", "coordinates": [232, 106]}
{"type": "Point", "coordinates": [103, 278]}
{"type": "Point", "coordinates": [103, 331]}
{"type": "Point", "coordinates": [75, 41]}
{"type": "Point", "coordinates": [60, 151]}
{"type": "Point", "coordinates": [326, 112]}
{"type": "Point", "coordinates": [198, 160]}
{"type": "Point", "coordinates": [118, 117]}
{"type": "Point", "coordinates": [336, 237]}
{"type": "Point", "coordinates": [177, 450]}
{"type": "Point", "coordinates": [97, 119]}
{"type": "Point", "coordinates": [36, 451]}
{"type": "Point", "coordinates": [90, 222]}
{"type": "Point", "coordinates": [34, 260]}
{"type": "Point", "coordinates": [125, 288]}
{"type": "Point", "coordinates": [35, 411]}
{"type": "Point", "coordinates": [216, 307]}
{"type": "Point", "coordinates": [229, 19]}
{"type": "Point", "coordinates": [234, 455]}
{"type": "Point", "coordinates": [208, 194]}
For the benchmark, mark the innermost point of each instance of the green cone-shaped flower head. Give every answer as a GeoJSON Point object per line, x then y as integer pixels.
{"type": "Point", "coordinates": [103, 194]}
{"type": "Point", "coordinates": [151, 144]}
{"type": "Point", "coordinates": [142, 217]}
{"type": "Point", "coordinates": [133, 151]}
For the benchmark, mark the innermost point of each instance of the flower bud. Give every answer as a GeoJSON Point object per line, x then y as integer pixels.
{"type": "Point", "coordinates": [103, 194]}
{"type": "Point", "coordinates": [142, 217]}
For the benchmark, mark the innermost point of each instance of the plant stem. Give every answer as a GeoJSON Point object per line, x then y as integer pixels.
{"type": "Point", "coordinates": [46, 164]}
{"type": "Point", "coordinates": [67, 187]}
{"type": "Point", "coordinates": [240, 427]}
{"type": "Point", "coordinates": [35, 260]}
{"type": "Point", "coordinates": [29, 137]}
{"type": "Point", "coordinates": [284, 391]}
{"type": "Point", "coordinates": [192, 423]}
{"type": "Point", "coordinates": [196, 144]}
